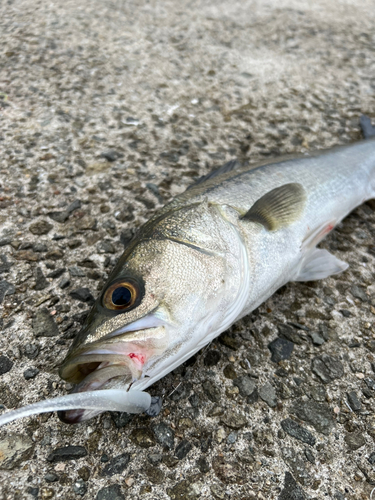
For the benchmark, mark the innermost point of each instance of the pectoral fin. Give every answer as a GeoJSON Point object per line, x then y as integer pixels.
{"type": "Point", "coordinates": [319, 264]}
{"type": "Point", "coordinates": [278, 208]}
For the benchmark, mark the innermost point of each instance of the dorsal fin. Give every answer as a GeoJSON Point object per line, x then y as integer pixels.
{"type": "Point", "coordinates": [278, 208]}
{"type": "Point", "coordinates": [224, 169]}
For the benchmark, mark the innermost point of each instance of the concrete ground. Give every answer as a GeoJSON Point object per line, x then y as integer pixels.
{"type": "Point", "coordinates": [110, 108]}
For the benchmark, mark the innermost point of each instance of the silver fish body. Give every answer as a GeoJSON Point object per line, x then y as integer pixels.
{"type": "Point", "coordinates": [210, 257]}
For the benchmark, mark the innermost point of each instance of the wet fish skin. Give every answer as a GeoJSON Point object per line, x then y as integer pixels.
{"type": "Point", "coordinates": [209, 258]}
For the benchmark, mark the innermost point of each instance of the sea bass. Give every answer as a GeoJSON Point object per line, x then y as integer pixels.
{"type": "Point", "coordinates": [203, 261]}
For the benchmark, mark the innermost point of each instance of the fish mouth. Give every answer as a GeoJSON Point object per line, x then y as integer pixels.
{"type": "Point", "coordinates": [95, 373]}
{"type": "Point", "coordinates": [113, 362]}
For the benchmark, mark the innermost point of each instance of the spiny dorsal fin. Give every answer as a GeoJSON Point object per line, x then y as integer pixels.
{"type": "Point", "coordinates": [224, 169]}
{"type": "Point", "coordinates": [278, 208]}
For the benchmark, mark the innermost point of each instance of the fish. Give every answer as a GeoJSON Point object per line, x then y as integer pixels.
{"type": "Point", "coordinates": [203, 261]}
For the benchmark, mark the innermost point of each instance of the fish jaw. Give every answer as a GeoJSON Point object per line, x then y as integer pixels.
{"type": "Point", "coordinates": [116, 362]}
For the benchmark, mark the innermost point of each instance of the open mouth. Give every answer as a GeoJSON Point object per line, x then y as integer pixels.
{"type": "Point", "coordinates": [113, 361]}
{"type": "Point", "coordinates": [95, 369]}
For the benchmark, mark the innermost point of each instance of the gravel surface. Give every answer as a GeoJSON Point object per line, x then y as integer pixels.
{"type": "Point", "coordinates": [108, 110]}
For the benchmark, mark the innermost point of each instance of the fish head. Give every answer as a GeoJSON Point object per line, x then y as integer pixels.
{"type": "Point", "coordinates": [143, 324]}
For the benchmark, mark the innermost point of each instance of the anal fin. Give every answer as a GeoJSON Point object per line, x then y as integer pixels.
{"type": "Point", "coordinates": [319, 264]}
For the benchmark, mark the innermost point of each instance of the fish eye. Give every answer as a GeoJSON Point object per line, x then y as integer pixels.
{"type": "Point", "coordinates": [121, 295]}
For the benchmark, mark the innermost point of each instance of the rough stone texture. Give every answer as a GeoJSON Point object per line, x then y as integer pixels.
{"type": "Point", "coordinates": [44, 324]}
{"type": "Point", "coordinates": [280, 349]}
{"type": "Point", "coordinates": [327, 368]}
{"type": "Point", "coordinates": [117, 465]}
{"type": "Point", "coordinates": [107, 111]}
{"type": "Point", "coordinates": [112, 492]}
{"type": "Point", "coordinates": [291, 490]}
{"type": "Point", "coordinates": [5, 365]}
{"type": "Point", "coordinates": [268, 394]}
{"type": "Point", "coordinates": [14, 450]}
{"type": "Point", "coordinates": [318, 415]}
{"type": "Point", "coordinates": [297, 431]}
{"type": "Point", "coordinates": [67, 453]}
{"type": "Point", "coordinates": [164, 435]}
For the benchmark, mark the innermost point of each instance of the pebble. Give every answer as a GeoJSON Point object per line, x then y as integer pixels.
{"type": "Point", "coordinates": [111, 155]}
{"type": "Point", "coordinates": [44, 324]}
{"type": "Point", "coordinates": [75, 271]}
{"type": "Point", "coordinates": [117, 465]}
{"type": "Point", "coordinates": [155, 458]}
{"type": "Point", "coordinates": [56, 273]}
{"type": "Point", "coordinates": [230, 372]}
{"type": "Point", "coordinates": [229, 341]}
{"type": "Point", "coordinates": [318, 415]}
{"type": "Point", "coordinates": [15, 449]}
{"type": "Point", "coordinates": [5, 264]}
{"type": "Point", "coordinates": [359, 293]}
{"type": "Point", "coordinates": [40, 281]}
{"type": "Point", "coordinates": [354, 403]}
{"type": "Point", "coordinates": [86, 223]}
{"type": "Point", "coordinates": [233, 419]}
{"type": "Point", "coordinates": [316, 338]}
{"type": "Point", "coordinates": [31, 351]}
{"type": "Point", "coordinates": [253, 397]}
{"type": "Point", "coordinates": [83, 295]}
{"type": "Point", "coordinates": [228, 471]}
{"type": "Point", "coordinates": [327, 368]}
{"type": "Point", "coordinates": [294, 460]}
{"type": "Point", "coordinates": [121, 419]}
{"type": "Point", "coordinates": [355, 440]}
{"type": "Point", "coordinates": [280, 349]}
{"type": "Point", "coordinates": [6, 289]}
{"type": "Point", "coordinates": [155, 475]}
{"type": "Point", "coordinates": [212, 391]}
{"type": "Point", "coordinates": [203, 465]}
{"type": "Point", "coordinates": [309, 455]}
{"type": "Point", "coordinates": [212, 358]}
{"type": "Point", "coordinates": [79, 487]}
{"type": "Point", "coordinates": [60, 217]}
{"type": "Point", "coordinates": [47, 493]}
{"type": "Point", "coordinates": [112, 492]}
{"type": "Point", "coordinates": [67, 453]}
{"type": "Point", "coordinates": [64, 283]}
{"type": "Point", "coordinates": [33, 491]}
{"type": "Point", "coordinates": [184, 490]}
{"type": "Point", "coordinates": [291, 490]}
{"type": "Point", "coordinates": [232, 438]}
{"type": "Point", "coordinates": [183, 449]}
{"type": "Point", "coordinates": [268, 394]}
{"type": "Point", "coordinates": [51, 477]}
{"type": "Point", "coordinates": [289, 333]}
{"type": "Point", "coordinates": [40, 227]}
{"type": "Point", "coordinates": [297, 431]}
{"type": "Point", "coordinates": [370, 383]}
{"type": "Point", "coordinates": [164, 435]}
{"type": "Point", "coordinates": [245, 385]}
{"type": "Point", "coordinates": [31, 372]}
{"type": "Point", "coordinates": [5, 365]}
{"type": "Point", "coordinates": [142, 437]}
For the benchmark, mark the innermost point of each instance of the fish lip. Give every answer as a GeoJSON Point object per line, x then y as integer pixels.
{"type": "Point", "coordinates": [77, 369]}
{"type": "Point", "coordinates": [117, 348]}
